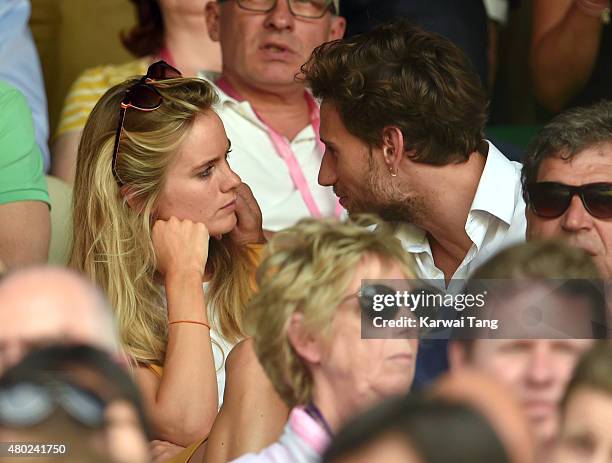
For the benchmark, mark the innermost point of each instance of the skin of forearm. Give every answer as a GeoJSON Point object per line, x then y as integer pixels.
{"type": "Point", "coordinates": [186, 401]}
{"type": "Point", "coordinates": [252, 416]}
{"type": "Point", "coordinates": [563, 59]}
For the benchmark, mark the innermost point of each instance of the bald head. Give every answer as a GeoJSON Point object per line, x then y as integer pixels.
{"type": "Point", "coordinates": [46, 305]}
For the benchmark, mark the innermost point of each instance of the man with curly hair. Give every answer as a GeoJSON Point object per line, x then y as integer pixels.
{"type": "Point", "coordinates": [402, 119]}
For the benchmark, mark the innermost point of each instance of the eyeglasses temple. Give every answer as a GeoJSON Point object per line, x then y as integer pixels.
{"type": "Point", "coordinates": [116, 148]}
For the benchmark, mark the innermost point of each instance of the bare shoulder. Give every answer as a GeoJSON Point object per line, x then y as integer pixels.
{"type": "Point", "coordinates": [252, 416]}
{"type": "Point", "coordinates": [243, 353]}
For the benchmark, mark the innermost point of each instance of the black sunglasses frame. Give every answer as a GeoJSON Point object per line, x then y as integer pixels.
{"type": "Point", "coordinates": [584, 192]}
{"type": "Point", "coordinates": [81, 404]}
{"type": "Point", "coordinates": [134, 98]}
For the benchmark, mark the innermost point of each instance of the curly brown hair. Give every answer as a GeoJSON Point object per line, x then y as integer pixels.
{"type": "Point", "coordinates": [399, 75]}
{"type": "Point", "coordinates": [147, 35]}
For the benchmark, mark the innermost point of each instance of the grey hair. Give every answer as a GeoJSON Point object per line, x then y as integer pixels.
{"type": "Point", "coordinates": [566, 135]}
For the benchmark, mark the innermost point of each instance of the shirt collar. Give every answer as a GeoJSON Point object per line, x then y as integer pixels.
{"type": "Point", "coordinates": [496, 194]}
{"type": "Point", "coordinates": [412, 237]}
{"type": "Point", "coordinates": [245, 109]}
{"type": "Point", "coordinates": [497, 189]}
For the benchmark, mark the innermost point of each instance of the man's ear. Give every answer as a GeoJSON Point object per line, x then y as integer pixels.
{"type": "Point", "coordinates": [457, 355]}
{"type": "Point", "coordinates": [393, 148]}
{"type": "Point", "coordinates": [302, 340]}
{"type": "Point", "coordinates": [338, 28]}
{"type": "Point", "coordinates": [212, 14]}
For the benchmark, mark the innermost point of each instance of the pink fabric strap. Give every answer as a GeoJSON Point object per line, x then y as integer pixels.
{"type": "Point", "coordinates": [164, 54]}
{"type": "Point", "coordinates": [309, 430]}
{"type": "Point", "coordinates": [283, 148]}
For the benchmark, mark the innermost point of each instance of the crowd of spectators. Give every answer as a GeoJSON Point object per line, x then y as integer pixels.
{"type": "Point", "coordinates": [256, 200]}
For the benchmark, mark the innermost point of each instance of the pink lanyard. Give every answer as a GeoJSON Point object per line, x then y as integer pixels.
{"type": "Point", "coordinates": [283, 148]}
{"type": "Point", "coordinates": [164, 54]}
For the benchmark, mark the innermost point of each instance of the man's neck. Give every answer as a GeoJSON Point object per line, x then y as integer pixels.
{"type": "Point", "coordinates": [282, 108]}
{"type": "Point", "coordinates": [182, 32]}
{"type": "Point", "coordinates": [445, 228]}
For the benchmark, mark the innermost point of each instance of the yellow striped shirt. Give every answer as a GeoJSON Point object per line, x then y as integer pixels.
{"type": "Point", "coordinates": [89, 88]}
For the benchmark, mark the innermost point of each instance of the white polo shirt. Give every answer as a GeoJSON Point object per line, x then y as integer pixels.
{"type": "Point", "coordinates": [255, 159]}
{"type": "Point", "coordinates": [496, 220]}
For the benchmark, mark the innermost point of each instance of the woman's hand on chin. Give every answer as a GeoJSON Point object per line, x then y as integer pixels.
{"type": "Point", "coordinates": [181, 247]}
{"type": "Point", "coordinates": [248, 228]}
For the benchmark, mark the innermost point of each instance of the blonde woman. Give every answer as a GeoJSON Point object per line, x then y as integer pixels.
{"type": "Point", "coordinates": [157, 212]}
{"type": "Point", "coordinates": [306, 321]}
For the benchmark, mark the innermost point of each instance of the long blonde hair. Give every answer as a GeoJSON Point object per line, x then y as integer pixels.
{"type": "Point", "coordinates": [112, 242]}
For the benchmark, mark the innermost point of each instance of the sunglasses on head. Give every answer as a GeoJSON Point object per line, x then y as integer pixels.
{"type": "Point", "coordinates": [550, 199]}
{"type": "Point", "coordinates": [144, 97]}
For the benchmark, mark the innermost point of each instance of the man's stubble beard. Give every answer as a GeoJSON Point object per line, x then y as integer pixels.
{"type": "Point", "coordinates": [383, 196]}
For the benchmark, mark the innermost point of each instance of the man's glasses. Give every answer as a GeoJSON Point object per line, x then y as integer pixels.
{"type": "Point", "coordinates": [550, 199]}
{"type": "Point", "coordinates": [144, 97]}
{"type": "Point", "coordinates": [308, 9]}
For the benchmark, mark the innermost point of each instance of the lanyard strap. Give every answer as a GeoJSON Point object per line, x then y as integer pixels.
{"type": "Point", "coordinates": [315, 413]}
{"type": "Point", "coordinates": [283, 148]}
{"type": "Point", "coordinates": [165, 54]}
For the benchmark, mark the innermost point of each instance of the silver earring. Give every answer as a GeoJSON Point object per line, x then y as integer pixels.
{"type": "Point", "coordinates": [392, 172]}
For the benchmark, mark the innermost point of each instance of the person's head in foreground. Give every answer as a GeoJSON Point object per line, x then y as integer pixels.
{"type": "Point", "coordinates": [496, 403]}
{"type": "Point", "coordinates": [153, 149]}
{"type": "Point", "coordinates": [535, 370]}
{"type": "Point", "coordinates": [417, 430]}
{"type": "Point", "coordinates": [264, 42]}
{"type": "Point", "coordinates": [306, 321]}
{"type": "Point", "coordinates": [567, 182]}
{"type": "Point", "coordinates": [402, 118]}
{"type": "Point", "coordinates": [46, 305]}
{"type": "Point", "coordinates": [586, 411]}
{"type": "Point", "coordinates": [78, 397]}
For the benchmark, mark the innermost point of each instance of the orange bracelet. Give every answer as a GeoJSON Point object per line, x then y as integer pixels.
{"type": "Point", "coordinates": [190, 321]}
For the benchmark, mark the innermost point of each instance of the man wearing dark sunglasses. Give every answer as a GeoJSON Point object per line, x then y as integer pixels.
{"type": "Point", "coordinates": [567, 182]}
{"type": "Point", "coordinates": [270, 118]}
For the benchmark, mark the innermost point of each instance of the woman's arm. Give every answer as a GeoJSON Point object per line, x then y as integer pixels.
{"type": "Point", "coordinates": [252, 416]}
{"type": "Point", "coordinates": [564, 48]}
{"type": "Point", "coordinates": [64, 155]}
{"type": "Point", "coordinates": [182, 405]}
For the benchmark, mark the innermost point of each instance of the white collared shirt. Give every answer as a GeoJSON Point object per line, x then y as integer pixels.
{"type": "Point", "coordinates": [496, 220]}
{"type": "Point", "coordinates": [255, 159]}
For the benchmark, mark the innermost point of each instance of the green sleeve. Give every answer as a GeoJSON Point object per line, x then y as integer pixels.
{"type": "Point", "coordinates": [21, 166]}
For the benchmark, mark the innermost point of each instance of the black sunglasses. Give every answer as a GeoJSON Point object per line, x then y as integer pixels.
{"type": "Point", "coordinates": [144, 97]}
{"type": "Point", "coordinates": [27, 403]}
{"type": "Point", "coordinates": [551, 199]}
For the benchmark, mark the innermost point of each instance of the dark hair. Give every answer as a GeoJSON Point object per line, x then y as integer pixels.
{"type": "Point", "coordinates": [399, 75]}
{"type": "Point", "coordinates": [573, 271]}
{"type": "Point", "coordinates": [594, 371]}
{"type": "Point", "coordinates": [538, 259]}
{"type": "Point", "coordinates": [438, 432]}
{"type": "Point", "coordinates": [565, 136]}
{"type": "Point", "coordinates": [60, 359]}
{"type": "Point", "coordinates": [147, 35]}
